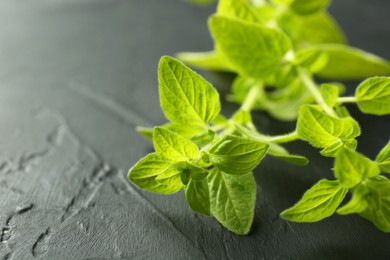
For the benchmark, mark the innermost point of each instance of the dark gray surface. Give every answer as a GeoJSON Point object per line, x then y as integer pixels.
{"type": "Point", "coordinates": [77, 76]}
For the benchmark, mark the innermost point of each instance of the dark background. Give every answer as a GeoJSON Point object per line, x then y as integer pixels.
{"type": "Point", "coordinates": [77, 76]}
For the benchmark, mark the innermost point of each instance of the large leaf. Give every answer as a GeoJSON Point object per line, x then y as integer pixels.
{"type": "Point", "coordinates": [322, 130]}
{"type": "Point", "coordinates": [173, 147]}
{"type": "Point", "coordinates": [319, 202]}
{"type": "Point", "coordinates": [237, 155]}
{"type": "Point", "coordinates": [251, 49]}
{"type": "Point", "coordinates": [371, 200]}
{"type": "Point", "coordinates": [383, 158]}
{"type": "Point", "coordinates": [144, 174]}
{"type": "Point", "coordinates": [232, 200]}
{"type": "Point", "coordinates": [347, 63]}
{"type": "Point", "coordinates": [185, 96]}
{"type": "Point", "coordinates": [373, 96]}
{"type": "Point", "coordinates": [352, 167]}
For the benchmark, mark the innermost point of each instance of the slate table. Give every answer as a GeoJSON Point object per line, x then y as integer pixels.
{"type": "Point", "coordinates": [77, 76]}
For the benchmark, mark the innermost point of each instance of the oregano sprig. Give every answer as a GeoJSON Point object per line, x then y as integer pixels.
{"type": "Point", "coordinates": [272, 45]}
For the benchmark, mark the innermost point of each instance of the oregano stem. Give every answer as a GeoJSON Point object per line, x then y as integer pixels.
{"type": "Point", "coordinates": [252, 97]}
{"type": "Point", "coordinates": [346, 100]}
{"type": "Point", "coordinates": [266, 138]}
{"type": "Point", "coordinates": [284, 138]}
{"type": "Point", "coordinates": [313, 88]}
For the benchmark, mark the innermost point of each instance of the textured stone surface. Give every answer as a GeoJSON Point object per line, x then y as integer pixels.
{"type": "Point", "coordinates": [76, 77]}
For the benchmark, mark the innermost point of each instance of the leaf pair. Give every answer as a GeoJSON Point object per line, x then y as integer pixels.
{"type": "Point", "coordinates": [324, 131]}
{"type": "Point", "coordinates": [355, 172]}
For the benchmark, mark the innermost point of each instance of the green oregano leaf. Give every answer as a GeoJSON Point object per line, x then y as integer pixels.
{"type": "Point", "coordinates": [186, 97]}
{"type": "Point", "coordinates": [330, 93]}
{"type": "Point", "coordinates": [311, 58]}
{"type": "Point", "coordinates": [144, 174]}
{"type": "Point", "coordinates": [252, 50]}
{"type": "Point", "coordinates": [352, 167]}
{"type": "Point", "coordinates": [284, 103]}
{"type": "Point", "coordinates": [309, 30]}
{"type": "Point", "coordinates": [348, 63]}
{"type": "Point", "coordinates": [322, 130]}
{"type": "Point", "coordinates": [281, 153]}
{"type": "Point", "coordinates": [237, 155]}
{"type": "Point", "coordinates": [242, 117]}
{"type": "Point", "coordinates": [203, 138]}
{"type": "Point", "coordinates": [240, 88]}
{"type": "Point", "coordinates": [232, 200]}
{"type": "Point", "coordinates": [173, 172]}
{"type": "Point", "coordinates": [332, 150]}
{"type": "Point", "coordinates": [319, 202]}
{"type": "Point", "coordinates": [318, 28]}
{"type": "Point", "coordinates": [240, 9]}
{"type": "Point", "coordinates": [378, 210]}
{"type": "Point", "coordinates": [358, 203]}
{"type": "Point", "coordinates": [198, 196]}
{"type": "Point", "coordinates": [373, 96]}
{"type": "Point", "coordinates": [383, 158]}
{"type": "Point", "coordinates": [306, 7]}
{"type": "Point", "coordinates": [173, 147]}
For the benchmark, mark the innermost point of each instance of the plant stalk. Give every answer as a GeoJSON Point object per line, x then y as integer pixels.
{"type": "Point", "coordinates": [252, 97]}
{"type": "Point", "coordinates": [346, 99]}
{"type": "Point", "coordinates": [313, 88]}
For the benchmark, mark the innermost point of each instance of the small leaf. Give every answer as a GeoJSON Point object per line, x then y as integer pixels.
{"type": "Point", "coordinates": [284, 103]}
{"type": "Point", "coordinates": [373, 96]}
{"type": "Point", "coordinates": [320, 28]}
{"type": "Point", "coordinates": [352, 167]}
{"type": "Point", "coordinates": [378, 211]}
{"type": "Point", "coordinates": [357, 204]}
{"type": "Point", "coordinates": [242, 117]}
{"type": "Point", "coordinates": [319, 202]}
{"type": "Point", "coordinates": [203, 138]}
{"type": "Point", "coordinates": [173, 147]}
{"type": "Point", "coordinates": [144, 175]}
{"type": "Point", "coordinates": [241, 87]}
{"type": "Point", "coordinates": [232, 200]}
{"type": "Point", "coordinates": [332, 150]}
{"type": "Point", "coordinates": [237, 155]}
{"type": "Point", "coordinates": [306, 7]}
{"type": "Point", "coordinates": [315, 29]}
{"type": "Point", "coordinates": [322, 130]}
{"type": "Point", "coordinates": [254, 51]}
{"type": "Point", "coordinates": [198, 197]}
{"type": "Point", "coordinates": [311, 58]}
{"type": "Point", "coordinates": [173, 172]}
{"type": "Point", "coordinates": [196, 173]}
{"type": "Point", "coordinates": [347, 63]}
{"type": "Point", "coordinates": [383, 158]}
{"type": "Point", "coordinates": [240, 9]}
{"type": "Point", "coordinates": [330, 93]}
{"type": "Point", "coordinates": [186, 97]}
{"type": "Point", "coordinates": [281, 153]}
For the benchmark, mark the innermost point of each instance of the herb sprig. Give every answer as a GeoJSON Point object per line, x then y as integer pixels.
{"type": "Point", "coordinates": [270, 45]}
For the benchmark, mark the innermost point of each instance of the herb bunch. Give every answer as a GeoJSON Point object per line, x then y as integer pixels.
{"type": "Point", "coordinates": [276, 48]}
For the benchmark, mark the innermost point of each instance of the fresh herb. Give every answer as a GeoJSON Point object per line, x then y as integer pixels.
{"type": "Point", "coordinates": [281, 45]}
